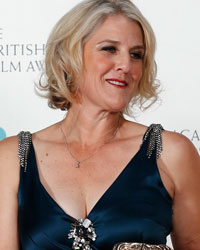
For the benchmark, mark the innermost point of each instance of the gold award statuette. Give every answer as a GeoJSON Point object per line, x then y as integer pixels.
{"type": "Point", "coordinates": [139, 246]}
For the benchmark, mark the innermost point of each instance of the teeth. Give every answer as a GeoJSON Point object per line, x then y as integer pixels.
{"type": "Point", "coordinates": [117, 83]}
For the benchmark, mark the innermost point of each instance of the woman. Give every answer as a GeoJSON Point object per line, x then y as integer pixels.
{"type": "Point", "coordinates": [96, 179]}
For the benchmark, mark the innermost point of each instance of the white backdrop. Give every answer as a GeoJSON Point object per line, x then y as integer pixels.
{"type": "Point", "coordinates": [24, 28]}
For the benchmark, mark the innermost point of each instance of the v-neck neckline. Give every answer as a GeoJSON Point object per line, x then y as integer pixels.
{"type": "Point", "coordinates": [111, 186]}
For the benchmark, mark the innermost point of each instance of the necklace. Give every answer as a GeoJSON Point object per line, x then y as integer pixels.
{"type": "Point", "coordinates": [78, 162]}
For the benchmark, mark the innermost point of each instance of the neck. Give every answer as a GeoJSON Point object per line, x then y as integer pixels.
{"type": "Point", "coordinates": [89, 126]}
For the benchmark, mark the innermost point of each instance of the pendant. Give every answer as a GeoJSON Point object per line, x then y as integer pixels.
{"type": "Point", "coordinates": [77, 164]}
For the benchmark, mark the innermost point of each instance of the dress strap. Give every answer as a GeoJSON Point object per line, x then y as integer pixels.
{"type": "Point", "coordinates": [24, 142]}
{"type": "Point", "coordinates": [154, 136]}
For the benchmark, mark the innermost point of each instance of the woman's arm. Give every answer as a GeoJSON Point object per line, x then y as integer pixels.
{"type": "Point", "coordinates": [9, 181]}
{"type": "Point", "coordinates": [183, 165]}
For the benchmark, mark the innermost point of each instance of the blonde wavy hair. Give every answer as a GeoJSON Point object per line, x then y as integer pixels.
{"type": "Point", "coordinates": [63, 62]}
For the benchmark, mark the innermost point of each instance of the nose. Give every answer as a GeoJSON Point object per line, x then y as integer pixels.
{"type": "Point", "coordinates": [123, 62]}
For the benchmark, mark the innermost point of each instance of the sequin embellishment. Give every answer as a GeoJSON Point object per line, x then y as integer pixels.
{"type": "Point", "coordinates": [155, 139]}
{"type": "Point", "coordinates": [24, 142]}
{"type": "Point", "coordinates": [83, 233]}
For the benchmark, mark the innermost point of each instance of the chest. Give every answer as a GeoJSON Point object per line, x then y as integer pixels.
{"type": "Point", "coordinates": [77, 190]}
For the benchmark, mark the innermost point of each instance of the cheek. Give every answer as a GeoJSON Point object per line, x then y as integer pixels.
{"type": "Point", "coordinates": [102, 65]}
{"type": "Point", "coordinates": [95, 68]}
{"type": "Point", "coordinates": [137, 71]}
{"type": "Point", "coordinates": [98, 63]}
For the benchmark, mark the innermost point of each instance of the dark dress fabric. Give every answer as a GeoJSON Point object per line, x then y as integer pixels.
{"type": "Point", "coordinates": [135, 208]}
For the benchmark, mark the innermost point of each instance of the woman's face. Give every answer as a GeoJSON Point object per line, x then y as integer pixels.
{"type": "Point", "coordinates": [112, 64]}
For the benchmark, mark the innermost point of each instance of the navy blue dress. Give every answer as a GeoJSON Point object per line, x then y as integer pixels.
{"type": "Point", "coordinates": [135, 208]}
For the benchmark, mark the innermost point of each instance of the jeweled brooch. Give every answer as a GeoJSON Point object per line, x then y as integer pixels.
{"type": "Point", "coordinates": [83, 233]}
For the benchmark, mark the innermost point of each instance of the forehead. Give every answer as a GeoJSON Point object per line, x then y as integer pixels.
{"type": "Point", "coordinates": [119, 28]}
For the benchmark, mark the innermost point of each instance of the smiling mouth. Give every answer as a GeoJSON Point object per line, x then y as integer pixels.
{"type": "Point", "coordinates": [117, 83]}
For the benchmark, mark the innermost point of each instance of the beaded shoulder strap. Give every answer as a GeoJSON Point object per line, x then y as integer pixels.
{"type": "Point", "coordinates": [154, 133]}
{"type": "Point", "coordinates": [24, 142]}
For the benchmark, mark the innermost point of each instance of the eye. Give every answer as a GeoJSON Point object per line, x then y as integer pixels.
{"type": "Point", "coordinates": [137, 55]}
{"type": "Point", "coordinates": [111, 49]}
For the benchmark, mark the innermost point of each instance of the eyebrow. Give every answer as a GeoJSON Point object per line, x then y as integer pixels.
{"type": "Point", "coordinates": [117, 42]}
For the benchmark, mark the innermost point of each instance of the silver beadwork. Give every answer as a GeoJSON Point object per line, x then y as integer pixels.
{"type": "Point", "coordinates": [83, 233]}
{"type": "Point", "coordinates": [139, 246]}
{"type": "Point", "coordinates": [154, 132]}
{"type": "Point", "coordinates": [24, 141]}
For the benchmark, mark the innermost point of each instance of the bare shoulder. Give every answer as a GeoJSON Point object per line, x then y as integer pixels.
{"type": "Point", "coordinates": [134, 129]}
{"type": "Point", "coordinates": [46, 135]}
{"type": "Point", "coordinates": [175, 146]}
{"type": "Point", "coordinates": [9, 161]}
{"type": "Point", "coordinates": [179, 159]}
{"type": "Point", "coordinates": [8, 150]}
{"type": "Point", "coordinates": [178, 148]}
